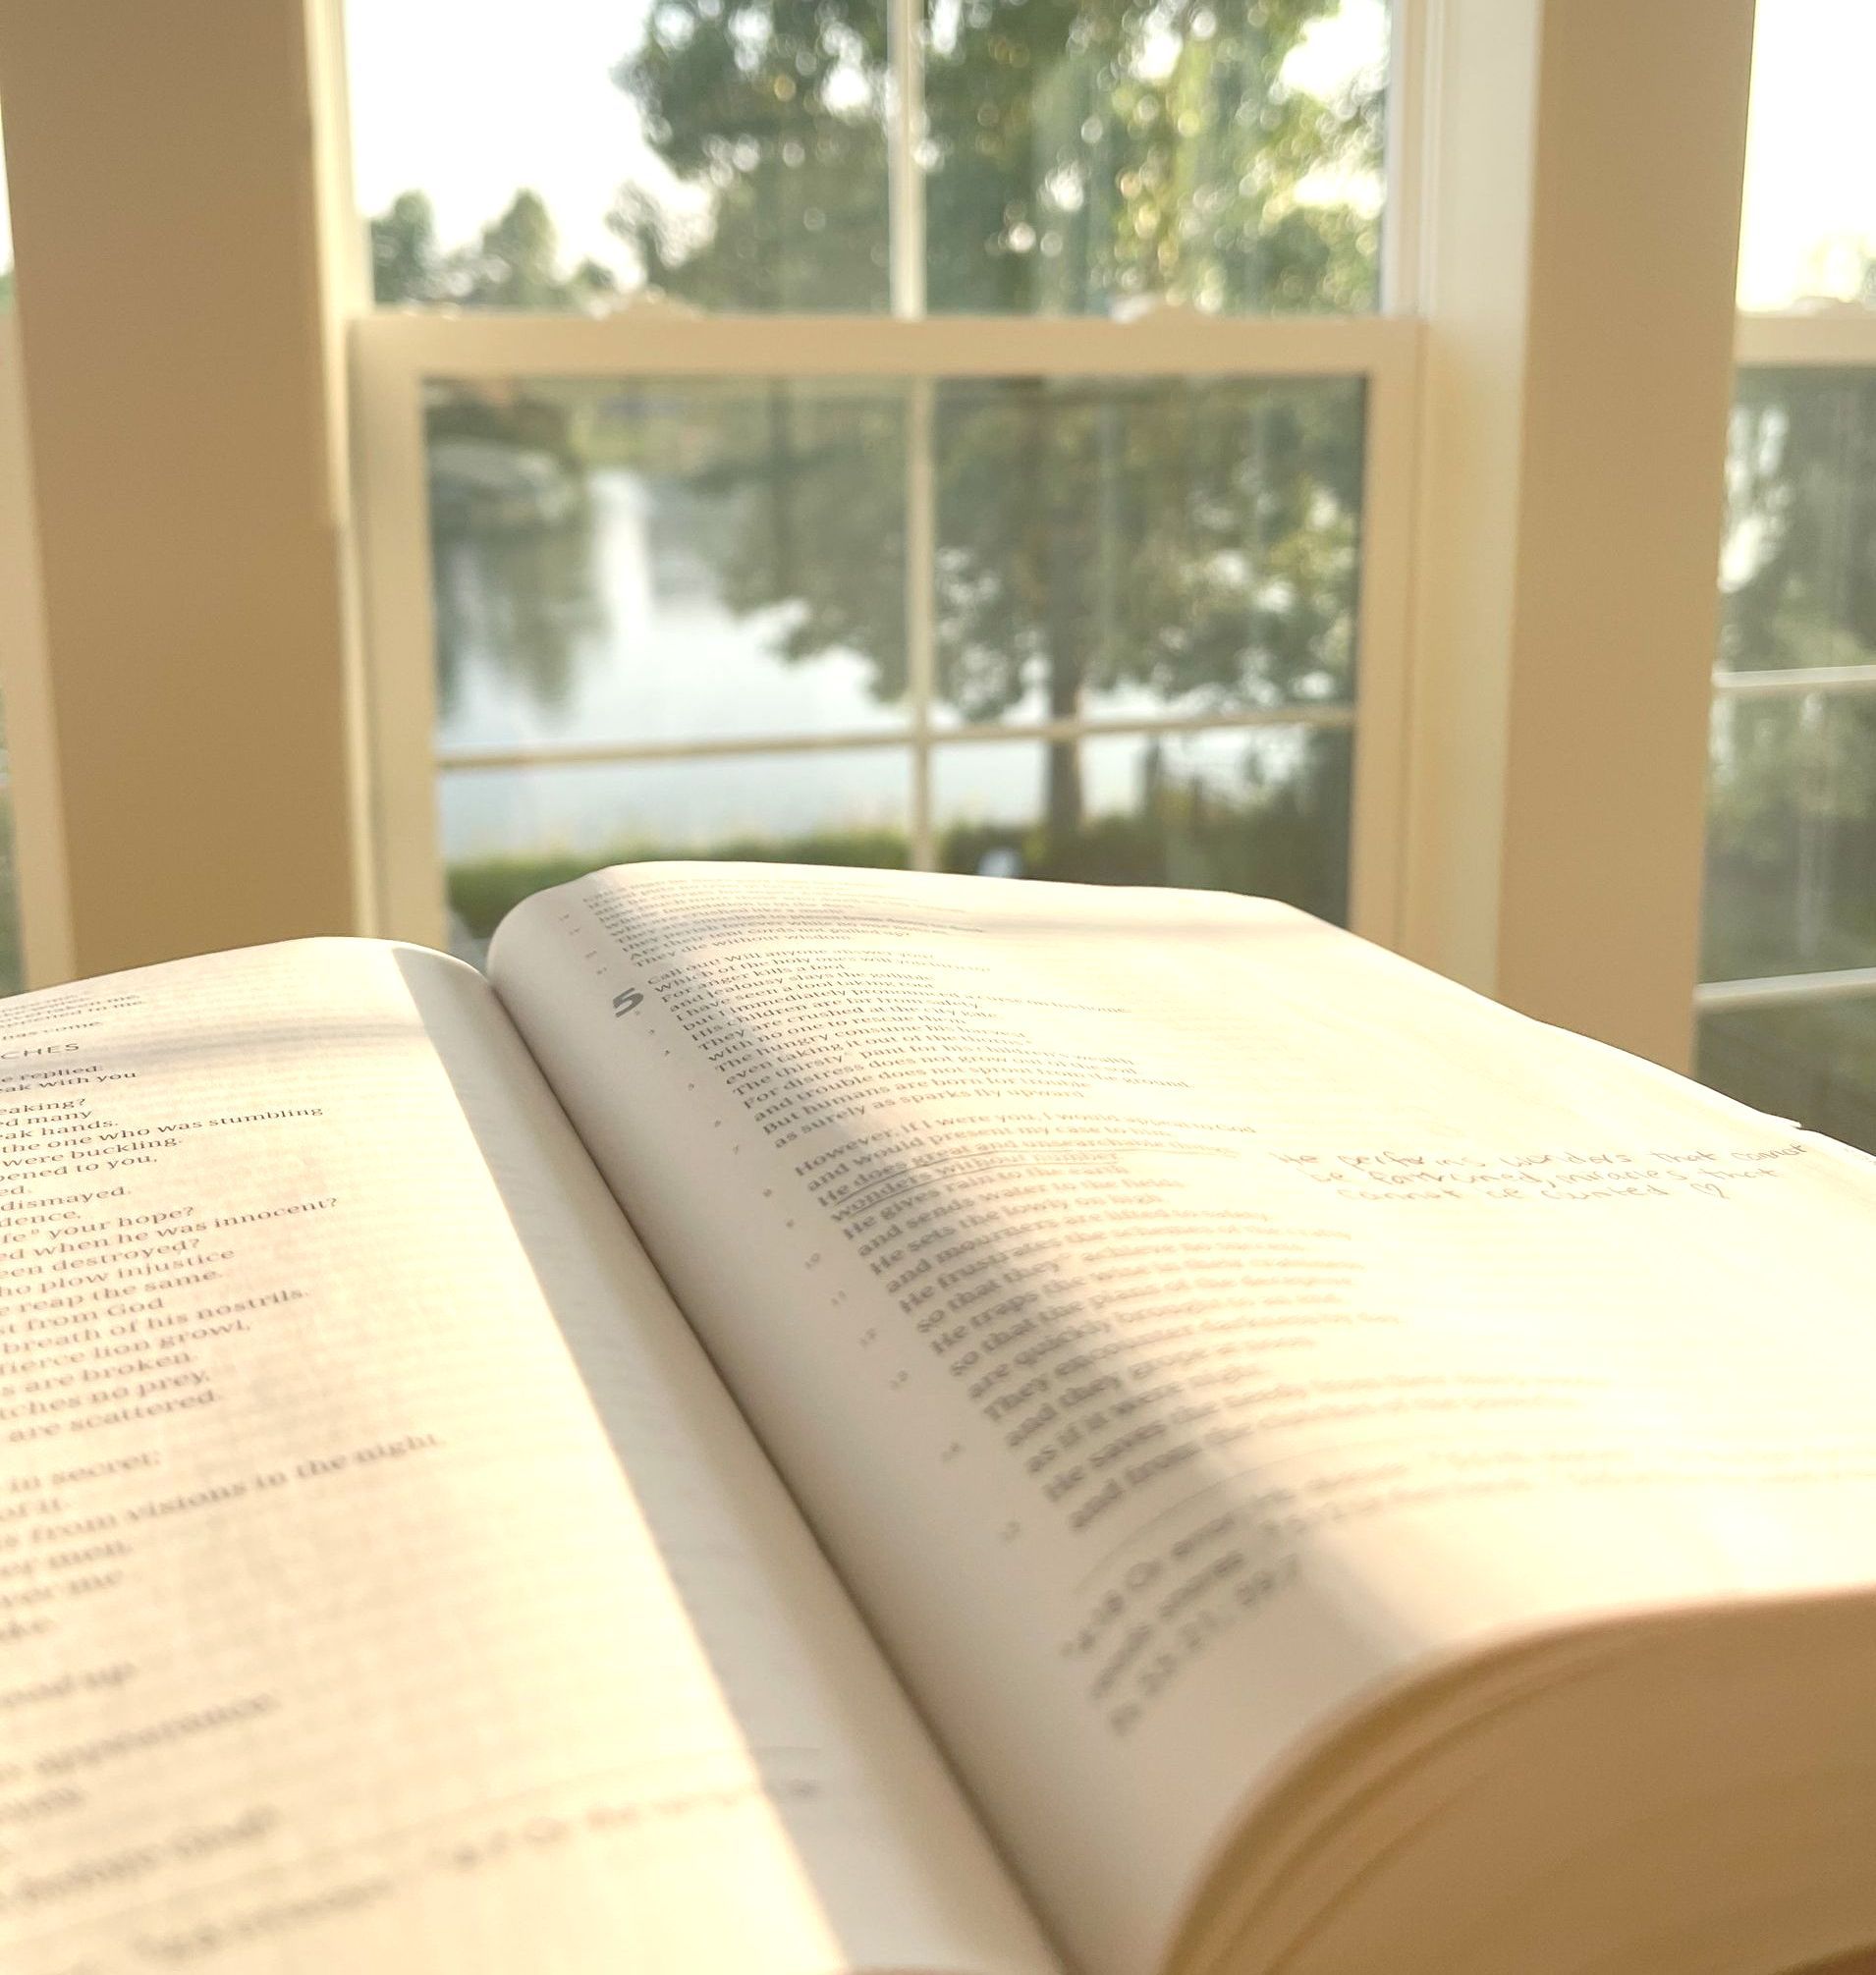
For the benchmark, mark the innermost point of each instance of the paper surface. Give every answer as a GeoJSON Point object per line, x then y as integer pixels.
{"type": "Point", "coordinates": [1180, 1318]}
{"type": "Point", "coordinates": [385, 1580]}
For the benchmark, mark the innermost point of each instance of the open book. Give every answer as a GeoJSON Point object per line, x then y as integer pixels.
{"type": "Point", "coordinates": [828, 1420]}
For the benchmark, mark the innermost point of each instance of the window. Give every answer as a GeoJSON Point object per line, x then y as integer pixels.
{"type": "Point", "coordinates": [882, 437]}
{"type": "Point", "coordinates": [1787, 1014]}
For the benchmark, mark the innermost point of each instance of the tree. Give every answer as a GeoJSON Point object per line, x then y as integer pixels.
{"type": "Point", "coordinates": [515, 262]}
{"type": "Point", "coordinates": [1081, 158]}
{"type": "Point", "coordinates": [513, 573]}
{"type": "Point", "coordinates": [774, 112]}
{"type": "Point", "coordinates": [404, 263]}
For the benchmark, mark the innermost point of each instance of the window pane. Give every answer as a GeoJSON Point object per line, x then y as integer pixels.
{"type": "Point", "coordinates": [552, 154]}
{"type": "Point", "coordinates": [1083, 158]}
{"type": "Point", "coordinates": [1792, 820]}
{"type": "Point", "coordinates": [1791, 836]}
{"type": "Point", "coordinates": [1816, 1064]}
{"type": "Point", "coordinates": [1800, 573]}
{"type": "Point", "coordinates": [510, 832]}
{"type": "Point", "coordinates": [635, 563]}
{"type": "Point", "coordinates": [1262, 811]}
{"type": "Point", "coordinates": [1809, 226]}
{"type": "Point", "coordinates": [1127, 548]}
{"type": "Point", "coordinates": [651, 564]}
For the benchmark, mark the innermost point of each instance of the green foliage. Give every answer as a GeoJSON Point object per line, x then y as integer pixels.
{"type": "Point", "coordinates": [1079, 153]}
{"type": "Point", "coordinates": [481, 890]}
{"type": "Point", "coordinates": [775, 111]}
{"type": "Point", "coordinates": [406, 265]}
{"type": "Point", "coordinates": [1802, 486]}
{"type": "Point", "coordinates": [1192, 539]}
{"type": "Point", "coordinates": [1158, 151]}
{"type": "Point", "coordinates": [1288, 842]}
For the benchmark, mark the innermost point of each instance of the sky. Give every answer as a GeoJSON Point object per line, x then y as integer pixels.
{"type": "Point", "coordinates": [423, 73]}
{"type": "Point", "coordinates": [1810, 216]}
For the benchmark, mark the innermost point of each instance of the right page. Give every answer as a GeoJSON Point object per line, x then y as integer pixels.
{"type": "Point", "coordinates": [1181, 1318]}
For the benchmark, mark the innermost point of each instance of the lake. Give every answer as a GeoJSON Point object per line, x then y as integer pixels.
{"type": "Point", "coordinates": [614, 629]}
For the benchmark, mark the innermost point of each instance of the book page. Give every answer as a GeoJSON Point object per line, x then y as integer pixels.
{"type": "Point", "coordinates": [1180, 1318]}
{"type": "Point", "coordinates": [386, 1581]}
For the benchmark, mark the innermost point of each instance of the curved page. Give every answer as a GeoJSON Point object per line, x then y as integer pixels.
{"type": "Point", "coordinates": [1181, 1318]}
{"type": "Point", "coordinates": [386, 1584]}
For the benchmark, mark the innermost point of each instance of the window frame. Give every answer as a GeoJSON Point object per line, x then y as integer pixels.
{"type": "Point", "coordinates": [395, 355]}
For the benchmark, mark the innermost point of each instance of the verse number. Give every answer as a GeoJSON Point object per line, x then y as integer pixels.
{"type": "Point", "coordinates": [624, 1004]}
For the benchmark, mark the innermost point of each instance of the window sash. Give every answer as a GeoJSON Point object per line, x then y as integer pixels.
{"type": "Point", "coordinates": [395, 355]}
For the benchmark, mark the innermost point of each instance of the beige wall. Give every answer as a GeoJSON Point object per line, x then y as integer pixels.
{"type": "Point", "coordinates": [1640, 156]}
{"type": "Point", "coordinates": [1582, 230]}
{"type": "Point", "coordinates": [164, 227]}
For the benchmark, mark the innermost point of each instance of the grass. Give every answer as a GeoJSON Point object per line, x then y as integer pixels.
{"type": "Point", "coordinates": [1276, 849]}
{"type": "Point", "coordinates": [483, 890]}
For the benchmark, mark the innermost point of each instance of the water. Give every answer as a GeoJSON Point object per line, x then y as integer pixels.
{"type": "Point", "coordinates": [615, 629]}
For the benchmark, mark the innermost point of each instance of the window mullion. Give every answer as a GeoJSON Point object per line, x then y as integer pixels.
{"type": "Point", "coordinates": [905, 180]}
{"type": "Point", "coordinates": [1403, 282]}
{"type": "Point", "coordinates": [906, 238]}
{"type": "Point", "coordinates": [921, 552]}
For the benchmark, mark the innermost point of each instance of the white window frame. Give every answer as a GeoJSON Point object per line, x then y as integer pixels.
{"type": "Point", "coordinates": [396, 355]}
{"type": "Point", "coordinates": [1840, 338]}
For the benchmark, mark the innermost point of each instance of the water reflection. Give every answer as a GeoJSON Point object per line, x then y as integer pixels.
{"type": "Point", "coordinates": [524, 599]}
{"type": "Point", "coordinates": [611, 625]}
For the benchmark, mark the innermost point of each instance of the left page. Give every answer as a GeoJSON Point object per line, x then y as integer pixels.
{"type": "Point", "coordinates": [386, 1584]}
